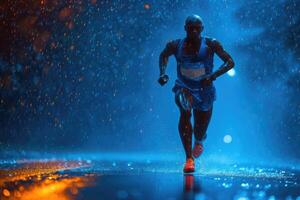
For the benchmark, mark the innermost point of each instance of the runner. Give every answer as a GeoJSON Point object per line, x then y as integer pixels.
{"type": "Point", "coordinates": [194, 90]}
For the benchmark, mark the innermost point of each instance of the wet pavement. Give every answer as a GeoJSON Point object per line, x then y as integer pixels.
{"type": "Point", "coordinates": [93, 179]}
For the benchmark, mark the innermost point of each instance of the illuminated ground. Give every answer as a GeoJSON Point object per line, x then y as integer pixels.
{"type": "Point", "coordinates": [115, 177]}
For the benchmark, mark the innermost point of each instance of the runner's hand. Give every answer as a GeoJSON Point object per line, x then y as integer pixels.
{"type": "Point", "coordinates": [163, 79]}
{"type": "Point", "coordinates": [207, 81]}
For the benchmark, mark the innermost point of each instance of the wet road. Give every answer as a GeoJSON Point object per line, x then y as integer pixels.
{"type": "Point", "coordinates": [93, 179]}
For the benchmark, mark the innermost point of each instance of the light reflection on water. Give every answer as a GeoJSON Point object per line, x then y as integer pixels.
{"type": "Point", "coordinates": [43, 180]}
{"type": "Point", "coordinates": [128, 179]}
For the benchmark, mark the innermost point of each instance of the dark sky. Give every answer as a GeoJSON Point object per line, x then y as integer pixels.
{"type": "Point", "coordinates": [82, 74]}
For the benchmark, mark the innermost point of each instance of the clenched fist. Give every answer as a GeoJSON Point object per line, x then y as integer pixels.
{"type": "Point", "coordinates": [163, 79]}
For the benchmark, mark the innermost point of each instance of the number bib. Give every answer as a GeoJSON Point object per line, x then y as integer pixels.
{"type": "Point", "coordinates": [194, 71]}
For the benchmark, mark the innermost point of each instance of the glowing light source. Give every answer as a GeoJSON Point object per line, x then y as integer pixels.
{"type": "Point", "coordinates": [147, 6]}
{"type": "Point", "coordinates": [45, 182]}
{"type": "Point", "coordinates": [6, 192]}
{"type": "Point", "coordinates": [231, 72]}
{"type": "Point", "coordinates": [227, 139]}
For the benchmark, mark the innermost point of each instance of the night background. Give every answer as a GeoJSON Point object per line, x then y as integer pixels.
{"type": "Point", "coordinates": [82, 115]}
{"type": "Point", "coordinates": [81, 76]}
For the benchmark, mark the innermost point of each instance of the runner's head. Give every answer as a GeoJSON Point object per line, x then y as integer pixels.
{"type": "Point", "coordinates": [193, 26]}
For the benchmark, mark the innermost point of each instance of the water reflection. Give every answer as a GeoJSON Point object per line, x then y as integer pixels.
{"type": "Point", "coordinates": [114, 179]}
{"type": "Point", "coordinates": [192, 187]}
{"type": "Point", "coordinates": [43, 180]}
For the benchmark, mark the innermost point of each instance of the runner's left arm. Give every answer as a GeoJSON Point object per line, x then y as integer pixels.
{"type": "Point", "coordinates": [227, 59]}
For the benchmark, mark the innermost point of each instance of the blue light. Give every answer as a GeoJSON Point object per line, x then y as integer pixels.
{"type": "Point", "coordinates": [227, 139]}
{"type": "Point", "coordinates": [231, 72]}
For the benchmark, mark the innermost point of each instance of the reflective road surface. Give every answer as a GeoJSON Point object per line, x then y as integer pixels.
{"type": "Point", "coordinates": [95, 178]}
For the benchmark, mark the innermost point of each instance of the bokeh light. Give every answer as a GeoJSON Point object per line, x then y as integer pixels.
{"type": "Point", "coordinates": [227, 139]}
{"type": "Point", "coordinates": [231, 72]}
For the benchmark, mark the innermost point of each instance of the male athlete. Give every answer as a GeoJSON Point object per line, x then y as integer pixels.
{"type": "Point", "coordinates": [194, 89]}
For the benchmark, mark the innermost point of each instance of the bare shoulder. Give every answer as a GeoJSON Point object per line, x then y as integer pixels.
{"type": "Point", "coordinates": [171, 47]}
{"type": "Point", "coordinates": [213, 42]}
{"type": "Point", "coordinates": [173, 43]}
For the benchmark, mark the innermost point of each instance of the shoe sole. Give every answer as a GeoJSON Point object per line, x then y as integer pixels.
{"type": "Point", "coordinates": [189, 171]}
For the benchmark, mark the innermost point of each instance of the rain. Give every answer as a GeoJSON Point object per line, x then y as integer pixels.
{"type": "Point", "coordinates": [79, 97]}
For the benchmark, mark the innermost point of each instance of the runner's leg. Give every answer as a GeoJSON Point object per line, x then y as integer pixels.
{"type": "Point", "coordinates": [185, 127]}
{"type": "Point", "coordinates": [201, 122]}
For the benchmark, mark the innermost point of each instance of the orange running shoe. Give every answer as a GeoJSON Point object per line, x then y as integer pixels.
{"type": "Point", "coordinates": [189, 166]}
{"type": "Point", "coordinates": [197, 150]}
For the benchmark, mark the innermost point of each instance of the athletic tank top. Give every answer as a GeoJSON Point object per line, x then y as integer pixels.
{"type": "Point", "coordinates": [192, 68]}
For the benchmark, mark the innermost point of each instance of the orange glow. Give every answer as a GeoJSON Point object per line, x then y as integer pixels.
{"type": "Point", "coordinates": [60, 189]}
{"type": "Point", "coordinates": [40, 181]}
{"type": "Point", "coordinates": [6, 193]}
{"type": "Point", "coordinates": [65, 13]}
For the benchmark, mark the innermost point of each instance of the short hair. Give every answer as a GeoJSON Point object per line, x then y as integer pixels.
{"type": "Point", "coordinates": [193, 19]}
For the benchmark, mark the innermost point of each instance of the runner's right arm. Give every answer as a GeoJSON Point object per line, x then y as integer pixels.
{"type": "Point", "coordinates": [169, 50]}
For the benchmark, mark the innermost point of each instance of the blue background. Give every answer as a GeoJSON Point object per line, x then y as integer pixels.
{"type": "Point", "coordinates": [82, 77]}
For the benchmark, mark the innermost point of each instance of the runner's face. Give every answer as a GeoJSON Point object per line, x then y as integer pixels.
{"type": "Point", "coordinates": [193, 31]}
